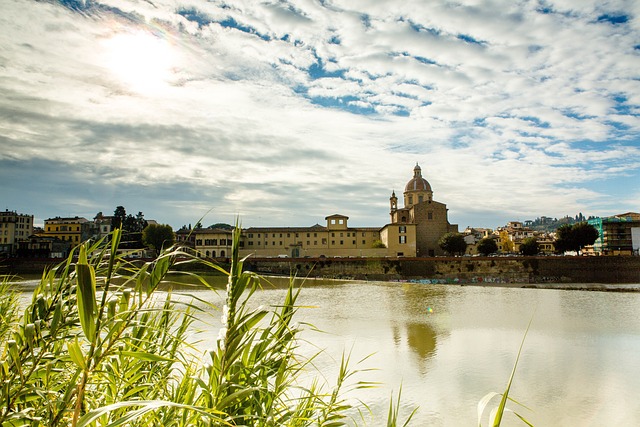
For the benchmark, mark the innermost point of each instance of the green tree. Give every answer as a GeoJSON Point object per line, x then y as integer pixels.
{"type": "Point", "coordinates": [119, 216]}
{"type": "Point", "coordinates": [529, 246]}
{"type": "Point", "coordinates": [575, 237]}
{"type": "Point", "coordinates": [487, 246]}
{"type": "Point", "coordinates": [157, 236]}
{"type": "Point", "coordinates": [222, 226]}
{"type": "Point", "coordinates": [453, 243]}
{"type": "Point", "coordinates": [378, 244]}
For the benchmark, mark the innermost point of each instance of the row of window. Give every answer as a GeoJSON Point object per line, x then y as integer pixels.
{"type": "Point", "coordinates": [12, 219]}
{"type": "Point", "coordinates": [16, 226]}
{"type": "Point", "coordinates": [333, 234]}
{"type": "Point", "coordinates": [214, 242]}
{"type": "Point", "coordinates": [62, 228]}
{"type": "Point", "coordinates": [315, 242]}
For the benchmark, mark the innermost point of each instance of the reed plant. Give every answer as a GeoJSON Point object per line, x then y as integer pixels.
{"type": "Point", "coordinates": [497, 413]}
{"type": "Point", "coordinates": [102, 344]}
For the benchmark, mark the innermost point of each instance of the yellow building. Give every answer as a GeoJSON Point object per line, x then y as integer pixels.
{"type": "Point", "coordinates": [420, 211]}
{"type": "Point", "coordinates": [14, 228]}
{"type": "Point", "coordinates": [414, 231]}
{"type": "Point", "coordinates": [74, 230]}
{"type": "Point", "coordinates": [336, 239]}
{"type": "Point", "coordinates": [212, 242]}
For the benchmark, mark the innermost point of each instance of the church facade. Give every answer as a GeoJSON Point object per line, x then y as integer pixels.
{"type": "Point", "coordinates": [430, 218]}
{"type": "Point", "coordinates": [414, 231]}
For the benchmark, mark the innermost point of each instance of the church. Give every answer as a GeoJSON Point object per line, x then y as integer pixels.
{"type": "Point", "coordinates": [414, 231]}
{"type": "Point", "coordinates": [430, 218]}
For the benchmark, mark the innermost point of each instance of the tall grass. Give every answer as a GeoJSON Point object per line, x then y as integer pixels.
{"type": "Point", "coordinates": [99, 345]}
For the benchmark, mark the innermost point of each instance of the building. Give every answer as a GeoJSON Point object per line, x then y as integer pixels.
{"type": "Point", "coordinates": [414, 231]}
{"type": "Point", "coordinates": [336, 239]}
{"type": "Point", "coordinates": [420, 211]}
{"type": "Point", "coordinates": [101, 226]}
{"type": "Point", "coordinates": [618, 234]}
{"type": "Point", "coordinates": [213, 242]}
{"type": "Point", "coordinates": [43, 247]}
{"type": "Point", "coordinates": [14, 228]}
{"type": "Point", "coordinates": [75, 230]}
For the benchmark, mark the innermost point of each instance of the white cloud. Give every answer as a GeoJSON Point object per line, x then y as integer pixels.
{"type": "Point", "coordinates": [507, 109]}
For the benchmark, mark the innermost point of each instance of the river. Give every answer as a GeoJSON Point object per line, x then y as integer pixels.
{"type": "Point", "coordinates": [447, 346]}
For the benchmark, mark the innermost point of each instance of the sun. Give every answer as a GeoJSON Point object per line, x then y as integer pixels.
{"type": "Point", "coordinates": [141, 60]}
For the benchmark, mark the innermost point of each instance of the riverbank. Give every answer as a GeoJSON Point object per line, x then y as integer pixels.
{"type": "Point", "coordinates": [569, 272]}
{"type": "Point", "coordinates": [517, 271]}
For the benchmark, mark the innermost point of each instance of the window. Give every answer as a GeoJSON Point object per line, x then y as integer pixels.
{"type": "Point", "coordinates": [341, 242]}
{"type": "Point", "coordinates": [340, 234]}
{"type": "Point", "coordinates": [315, 234]}
{"type": "Point", "coordinates": [333, 234]}
{"type": "Point", "coordinates": [402, 229]}
{"type": "Point", "coordinates": [250, 243]}
{"type": "Point", "coordinates": [288, 234]}
{"type": "Point", "coordinates": [251, 235]}
{"type": "Point", "coordinates": [410, 200]}
{"type": "Point", "coordinates": [333, 242]}
{"type": "Point", "coordinates": [308, 234]}
{"type": "Point", "coordinates": [420, 199]}
{"type": "Point", "coordinates": [354, 242]}
{"type": "Point", "coordinates": [403, 239]}
{"type": "Point", "coordinates": [308, 243]}
{"type": "Point", "coordinates": [364, 242]}
{"type": "Point", "coordinates": [430, 215]}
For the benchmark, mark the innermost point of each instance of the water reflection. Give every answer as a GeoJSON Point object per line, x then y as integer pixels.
{"type": "Point", "coordinates": [578, 366]}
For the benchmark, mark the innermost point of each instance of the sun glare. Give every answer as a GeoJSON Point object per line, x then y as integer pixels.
{"type": "Point", "coordinates": [141, 60]}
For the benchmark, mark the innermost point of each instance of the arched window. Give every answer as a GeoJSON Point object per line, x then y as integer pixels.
{"type": "Point", "coordinates": [207, 254]}
{"type": "Point", "coordinates": [222, 254]}
{"type": "Point", "coordinates": [213, 254]}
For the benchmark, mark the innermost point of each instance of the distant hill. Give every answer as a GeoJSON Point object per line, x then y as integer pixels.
{"type": "Point", "coordinates": [548, 224]}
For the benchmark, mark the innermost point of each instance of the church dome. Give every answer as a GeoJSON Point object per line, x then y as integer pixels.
{"type": "Point", "coordinates": [417, 183]}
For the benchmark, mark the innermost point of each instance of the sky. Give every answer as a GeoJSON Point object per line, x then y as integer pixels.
{"type": "Point", "coordinates": [282, 112]}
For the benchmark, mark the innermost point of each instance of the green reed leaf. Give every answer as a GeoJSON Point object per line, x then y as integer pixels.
{"type": "Point", "coordinates": [86, 292]}
{"type": "Point", "coordinates": [75, 352]}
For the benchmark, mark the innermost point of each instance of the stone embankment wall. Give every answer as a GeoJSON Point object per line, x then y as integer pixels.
{"type": "Point", "coordinates": [462, 269]}
{"type": "Point", "coordinates": [620, 269]}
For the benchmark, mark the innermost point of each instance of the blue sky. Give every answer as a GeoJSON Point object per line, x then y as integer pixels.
{"type": "Point", "coordinates": [284, 112]}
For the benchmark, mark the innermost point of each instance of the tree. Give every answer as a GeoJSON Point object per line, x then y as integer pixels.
{"type": "Point", "coordinates": [378, 244]}
{"type": "Point", "coordinates": [529, 246]}
{"type": "Point", "coordinates": [453, 243]}
{"type": "Point", "coordinates": [575, 237]}
{"type": "Point", "coordinates": [221, 225]}
{"type": "Point", "coordinates": [119, 216]}
{"type": "Point", "coordinates": [487, 246]}
{"type": "Point", "coordinates": [158, 236]}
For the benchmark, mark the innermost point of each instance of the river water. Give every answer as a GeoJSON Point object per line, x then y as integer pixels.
{"type": "Point", "coordinates": [447, 346]}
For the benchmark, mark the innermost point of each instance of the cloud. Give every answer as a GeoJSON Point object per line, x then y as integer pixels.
{"type": "Point", "coordinates": [301, 109]}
